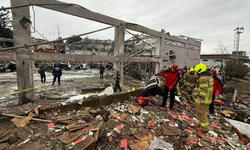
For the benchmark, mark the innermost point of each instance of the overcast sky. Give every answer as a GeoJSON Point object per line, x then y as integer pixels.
{"type": "Point", "coordinates": [210, 20]}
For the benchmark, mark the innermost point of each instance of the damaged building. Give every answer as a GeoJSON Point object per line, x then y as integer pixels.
{"type": "Point", "coordinates": [84, 113]}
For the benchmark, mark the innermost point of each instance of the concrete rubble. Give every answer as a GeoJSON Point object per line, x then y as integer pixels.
{"type": "Point", "coordinates": [117, 122]}
{"type": "Point", "coordinates": [121, 126]}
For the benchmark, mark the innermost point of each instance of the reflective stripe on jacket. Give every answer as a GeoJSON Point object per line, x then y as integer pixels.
{"type": "Point", "coordinates": [204, 89]}
{"type": "Point", "coordinates": [190, 79]}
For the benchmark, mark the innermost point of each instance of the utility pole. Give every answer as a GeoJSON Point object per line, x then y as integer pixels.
{"type": "Point", "coordinates": [238, 31]}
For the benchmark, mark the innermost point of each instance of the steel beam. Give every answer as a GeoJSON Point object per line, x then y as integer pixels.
{"type": "Point", "coordinates": [142, 29]}
{"type": "Point", "coordinates": [79, 11]}
{"type": "Point", "coordinates": [72, 57]}
{"type": "Point", "coordinates": [7, 56]}
{"type": "Point", "coordinates": [75, 10]}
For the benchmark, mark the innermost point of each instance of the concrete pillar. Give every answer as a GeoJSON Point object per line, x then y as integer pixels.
{"type": "Point", "coordinates": [119, 49]}
{"type": "Point", "coordinates": [159, 49]}
{"type": "Point", "coordinates": [24, 63]}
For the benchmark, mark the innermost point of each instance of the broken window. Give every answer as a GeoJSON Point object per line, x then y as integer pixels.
{"type": "Point", "coordinates": [172, 54]}
{"type": "Point", "coordinates": [192, 46]}
{"type": "Point", "coordinates": [174, 43]}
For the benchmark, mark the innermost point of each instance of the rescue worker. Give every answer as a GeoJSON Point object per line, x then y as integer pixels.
{"type": "Point", "coordinates": [189, 81]}
{"type": "Point", "coordinates": [180, 83]}
{"type": "Point", "coordinates": [57, 73]}
{"type": "Point", "coordinates": [117, 81]}
{"type": "Point", "coordinates": [171, 82]}
{"type": "Point", "coordinates": [41, 71]}
{"type": "Point", "coordinates": [202, 95]}
{"type": "Point", "coordinates": [217, 85]}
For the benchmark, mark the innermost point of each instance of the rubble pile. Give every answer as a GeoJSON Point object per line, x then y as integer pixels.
{"type": "Point", "coordinates": [120, 126]}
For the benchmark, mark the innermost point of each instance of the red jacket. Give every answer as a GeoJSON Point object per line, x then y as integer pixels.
{"type": "Point", "coordinates": [181, 73]}
{"type": "Point", "coordinates": [217, 85]}
{"type": "Point", "coordinates": [172, 78]}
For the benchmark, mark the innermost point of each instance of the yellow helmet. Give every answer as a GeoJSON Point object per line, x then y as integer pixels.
{"type": "Point", "coordinates": [191, 69]}
{"type": "Point", "coordinates": [200, 68]}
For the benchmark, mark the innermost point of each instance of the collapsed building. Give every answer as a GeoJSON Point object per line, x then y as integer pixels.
{"type": "Point", "coordinates": [152, 49]}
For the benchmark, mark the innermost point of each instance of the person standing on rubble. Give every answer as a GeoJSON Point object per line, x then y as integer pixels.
{"type": "Point", "coordinates": [202, 95]}
{"type": "Point", "coordinates": [171, 82]}
{"type": "Point", "coordinates": [41, 71]}
{"type": "Point", "coordinates": [57, 73]}
{"type": "Point", "coordinates": [189, 81]}
{"type": "Point", "coordinates": [102, 68]}
{"type": "Point", "coordinates": [117, 81]}
{"type": "Point", "coordinates": [217, 85]}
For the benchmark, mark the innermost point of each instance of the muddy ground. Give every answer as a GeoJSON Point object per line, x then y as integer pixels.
{"type": "Point", "coordinates": [72, 82]}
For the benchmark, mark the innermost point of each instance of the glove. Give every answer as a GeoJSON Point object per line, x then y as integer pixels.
{"type": "Point", "coordinates": [155, 74]}
{"type": "Point", "coordinates": [220, 96]}
{"type": "Point", "coordinates": [170, 88]}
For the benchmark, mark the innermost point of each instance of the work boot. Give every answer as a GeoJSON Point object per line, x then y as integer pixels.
{"type": "Point", "coordinates": [211, 112]}
{"type": "Point", "coordinates": [203, 129]}
{"type": "Point", "coordinates": [163, 105]}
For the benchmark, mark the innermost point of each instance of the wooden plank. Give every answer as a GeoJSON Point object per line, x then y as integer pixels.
{"type": "Point", "coordinates": [84, 144]}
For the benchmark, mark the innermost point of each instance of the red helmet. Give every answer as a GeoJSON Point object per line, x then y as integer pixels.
{"type": "Point", "coordinates": [213, 71]}
{"type": "Point", "coordinates": [174, 66]}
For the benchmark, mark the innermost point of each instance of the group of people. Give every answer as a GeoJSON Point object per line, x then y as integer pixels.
{"type": "Point", "coordinates": [201, 85]}
{"type": "Point", "coordinates": [57, 73]}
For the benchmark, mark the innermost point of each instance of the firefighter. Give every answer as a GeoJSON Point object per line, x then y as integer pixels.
{"type": "Point", "coordinates": [202, 95]}
{"type": "Point", "coordinates": [217, 85]}
{"type": "Point", "coordinates": [57, 73]}
{"type": "Point", "coordinates": [189, 81]}
{"type": "Point", "coordinates": [171, 82]}
{"type": "Point", "coordinates": [180, 83]}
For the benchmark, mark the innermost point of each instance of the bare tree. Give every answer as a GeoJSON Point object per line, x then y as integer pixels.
{"type": "Point", "coordinates": [58, 31]}
{"type": "Point", "coordinates": [222, 49]}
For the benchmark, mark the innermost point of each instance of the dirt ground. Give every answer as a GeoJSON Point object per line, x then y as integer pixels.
{"type": "Point", "coordinates": [72, 82]}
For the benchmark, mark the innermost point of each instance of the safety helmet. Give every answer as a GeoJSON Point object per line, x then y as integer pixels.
{"type": "Point", "coordinates": [174, 66]}
{"type": "Point", "coordinates": [191, 69]}
{"type": "Point", "coordinates": [200, 68]}
{"type": "Point", "coordinates": [213, 71]}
